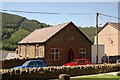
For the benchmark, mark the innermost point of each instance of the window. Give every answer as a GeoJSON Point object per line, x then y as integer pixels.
{"type": "Point", "coordinates": [82, 53]}
{"type": "Point", "coordinates": [55, 54]}
{"type": "Point", "coordinates": [31, 53]}
{"type": "Point", "coordinates": [85, 61]}
{"type": "Point", "coordinates": [26, 51]}
{"type": "Point", "coordinates": [38, 63]}
{"type": "Point", "coordinates": [31, 64]}
{"type": "Point", "coordinates": [41, 51]}
{"type": "Point", "coordinates": [80, 62]}
{"type": "Point", "coordinates": [37, 51]}
{"type": "Point", "coordinates": [20, 54]}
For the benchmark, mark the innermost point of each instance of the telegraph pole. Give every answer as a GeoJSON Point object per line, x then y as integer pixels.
{"type": "Point", "coordinates": [97, 15]}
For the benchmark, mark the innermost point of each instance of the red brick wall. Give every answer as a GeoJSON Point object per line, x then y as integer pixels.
{"type": "Point", "coordinates": [67, 38]}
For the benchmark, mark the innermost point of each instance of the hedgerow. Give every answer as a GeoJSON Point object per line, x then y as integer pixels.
{"type": "Point", "coordinates": [55, 71]}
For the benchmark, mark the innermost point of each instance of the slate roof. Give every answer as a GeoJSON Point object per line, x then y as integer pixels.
{"type": "Point", "coordinates": [115, 25]}
{"type": "Point", "coordinates": [42, 35]}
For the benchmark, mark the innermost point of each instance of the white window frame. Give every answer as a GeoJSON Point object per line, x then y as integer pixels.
{"type": "Point", "coordinates": [54, 53]}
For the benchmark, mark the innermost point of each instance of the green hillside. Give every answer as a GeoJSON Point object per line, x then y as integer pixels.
{"type": "Point", "coordinates": [15, 28]}
{"type": "Point", "coordinates": [90, 32]}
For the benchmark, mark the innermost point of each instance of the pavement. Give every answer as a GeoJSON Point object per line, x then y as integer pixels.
{"type": "Point", "coordinates": [110, 73]}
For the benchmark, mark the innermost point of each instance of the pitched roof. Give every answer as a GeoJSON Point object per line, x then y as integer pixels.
{"type": "Point", "coordinates": [42, 35]}
{"type": "Point", "coordinates": [115, 25]}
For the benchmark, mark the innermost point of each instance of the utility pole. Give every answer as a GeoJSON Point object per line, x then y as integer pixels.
{"type": "Point", "coordinates": [97, 15]}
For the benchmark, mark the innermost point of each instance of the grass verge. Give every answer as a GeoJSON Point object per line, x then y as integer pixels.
{"type": "Point", "coordinates": [99, 77]}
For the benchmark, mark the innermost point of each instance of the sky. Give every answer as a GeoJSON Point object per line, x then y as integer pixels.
{"type": "Point", "coordinates": [84, 20]}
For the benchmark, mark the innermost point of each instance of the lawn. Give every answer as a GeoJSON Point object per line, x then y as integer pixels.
{"type": "Point", "coordinates": [99, 77]}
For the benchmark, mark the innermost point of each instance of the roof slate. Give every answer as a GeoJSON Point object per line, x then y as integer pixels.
{"type": "Point", "coordinates": [115, 25]}
{"type": "Point", "coordinates": [42, 35]}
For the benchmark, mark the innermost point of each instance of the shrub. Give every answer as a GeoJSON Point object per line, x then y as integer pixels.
{"type": "Point", "coordinates": [55, 71]}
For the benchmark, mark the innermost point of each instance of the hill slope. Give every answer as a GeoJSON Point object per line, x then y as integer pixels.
{"type": "Point", "coordinates": [90, 32]}
{"type": "Point", "coordinates": [15, 28]}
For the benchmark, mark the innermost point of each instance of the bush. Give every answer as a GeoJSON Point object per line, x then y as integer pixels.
{"type": "Point", "coordinates": [55, 71]}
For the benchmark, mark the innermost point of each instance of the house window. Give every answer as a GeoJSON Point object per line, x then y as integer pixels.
{"type": "Point", "coordinates": [31, 53]}
{"type": "Point", "coordinates": [37, 51]}
{"type": "Point", "coordinates": [82, 53]}
{"type": "Point", "coordinates": [41, 51]}
{"type": "Point", "coordinates": [26, 51]}
{"type": "Point", "coordinates": [55, 54]}
{"type": "Point", "coordinates": [20, 54]}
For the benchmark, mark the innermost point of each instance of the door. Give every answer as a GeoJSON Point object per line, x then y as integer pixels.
{"type": "Point", "coordinates": [70, 55]}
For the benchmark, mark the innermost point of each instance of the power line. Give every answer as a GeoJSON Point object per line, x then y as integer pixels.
{"type": "Point", "coordinates": [109, 16]}
{"type": "Point", "coordinates": [103, 20]}
{"type": "Point", "coordinates": [88, 20]}
{"type": "Point", "coordinates": [19, 11]}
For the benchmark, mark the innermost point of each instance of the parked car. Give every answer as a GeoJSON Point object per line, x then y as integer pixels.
{"type": "Point", "coordinates": [32, 64]}
{"type": "Point", "coordinates": [118, 61]}
{"type": "Point", "coordinates": [110, 59]}
{"type": "Point", "coordinates": [113, 59]}
{"type": "Point", "coordinates": [76, 62]}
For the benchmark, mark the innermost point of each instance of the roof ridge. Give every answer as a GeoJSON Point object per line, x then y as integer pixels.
{"type": "Point", "coordinates": [54, 26]}
{"type": "Point", "coordinates": [114, 22]}
{"type": "Point", "coordinates": [48, 33]}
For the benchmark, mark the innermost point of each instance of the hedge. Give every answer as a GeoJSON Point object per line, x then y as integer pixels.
{"type": "Point", "coordinates": [51, 72]}
{"type": "Point", "coordinates": [10, 63]}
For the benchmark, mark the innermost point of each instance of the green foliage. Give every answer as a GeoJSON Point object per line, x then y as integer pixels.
{"type": "Point", "coordinates": [90, 32]}
{"type": "Point", "coordinates": [9, 47]}
{"type": "Point", "coordinates": [97, 77]}
{"type": "Point", "coordinates": [11, 43]}
{"type": "Point", "coordinates": [6, 33]}
{"type": "Point", "coordinates": [31, 25]}
{"type": "Point", "coordinates": [55, 71]}
{"type": "Point", "coordinates": [9, 20]}
{"type": "Point", "coordinates": [17, 36]}
{"type": "Point", "coordinates": [15, 28]}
